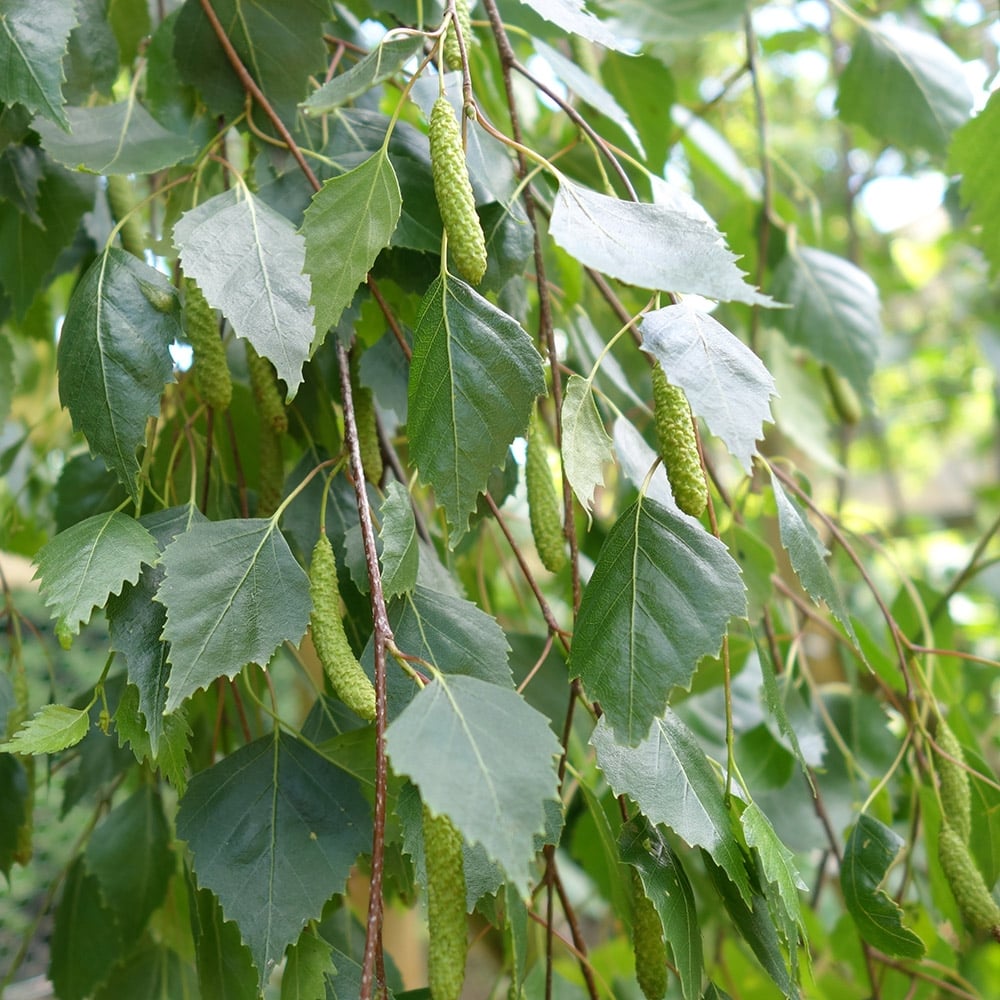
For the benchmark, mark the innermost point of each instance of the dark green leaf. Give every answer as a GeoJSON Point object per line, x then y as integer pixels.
{"type": "Point", "coordinates": [672, 782]}
{"type": "Point", "coordinates": [725, 383]}
{"type": "Point", "coordinates": [14, 806]}
{"type": "Point", "coordinates": [349, 221]}
{"type": "Point", "coordinates": [91, 64]}
{"type": "Point", "coordinates": [34, 35]}
{"type": "Point", "coordinates": [400, 552]}
{"type": "Point", "coordinates": [120, 138]}
{"type": "Point", "coordinates": [904, 86]}
{"type": "Point", "coordinates": [868, 854]}
{"type": "Point", "coordinates": [173, 737]}
{"type": "Point", "coordinates": [675, 248]}
{"type": "Point", "coordinates": [273, 829]}
{"type": "Point", "coordinates": [225, 965]}
{"type": "Point", "coordinates": [249, 262]}
{"type": "Point", "coordinates": [494, 787]}
{"type": "Point", "coordinates": [835, 312]}
{"type": "Point", "coordinates": [586, 447]}
{"type": "Point", "coordinates": [86, 487]}
{"type": "Point", "coordinates": [233, 593]}
{"type": "Point", "coordinates": [304, 975]}
{"type": "Point", "coordinates": [153, 971]}
{"type": "Point", "coordinates": [645, 88]}
{"type": "Point", "coordinates": [660, 599]}
{"type": "Point", "coordinates": [6, 379]}
{"type": "Point", "coordinates": [114, 357]}
{"type": "Point", "coordinates": [81, 566]}
{"type": "Point", "coordinates": [474, 376]}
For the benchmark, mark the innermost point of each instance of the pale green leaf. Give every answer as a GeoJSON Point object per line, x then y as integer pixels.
{"type": "Point", "coordinates": [234, 593]}
{"type": "Point", "coordinates": [309, 960]}
{"type": "Point", "coordinates": [726, 384]}
{"type": "Point", "coordinates": [973, 154]}
{"type": "Point", "coordinates": [400, 551]}
{"type": "Point", "coordinates": [82, 565]}
{"type": "Point", "coordinates": [347, 224]}
{"type": "Point", "coordinates": [273, 831]}
{"type": "Point", "coordinates": [121, 138]}
{"type": "Point", "coordinates": [658, 21]}
{"type": "Point", "coordinates": [904, 86]}
{"type": "Point", "coordinates": [665, 247]}
{"type": "Point", "coordinates": [776, 860]}
{"type": "Point", "coordinates": [672, 782]}
{"type": "Point", "coordinates": [868, 854]}
{"type": "Point", "coordinates": [500, 771]}
{"type": "Point", "coordinates": [473, 379]}
{"type": "Point", "coordinates": [835, 312]}
{"type": "Point", "coordinates": [249, 261]}
{"type": "Point", "coordinates": [586, 446]}
{"type": "Point", "coordinates": [114, 357]}
{"type": "Point", "coordinates": [575, 19]}
{"type": "Point", "coordinates": [660, 598]}
{"type": "Point", "coordinates": [53, 728]}
{"type": "Point", "coordinates": [384, 61]}
{"type": "Point", "coordinates": [34, 35]}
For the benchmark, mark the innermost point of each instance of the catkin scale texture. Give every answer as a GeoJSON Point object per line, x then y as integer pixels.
{"type": "Point", "coordinates": [956, 792]}
{"type": "Point", "coordinates": [647, 943]}
{"type": "Point", "coordinates": [364, 416]}
{"type": "Point", "coordinates": [978, 907]}
{"type": "Point", "coordinates": [445, 907]}
{"type": "Point", "coordinates": [452, 52]}
{"type": "Point", "coordinates": [351, 684]}
{"type": "Point", "coordinates": [543, 502]}
{"type": "Point", "coordinates": [267, 395]}
{"type": "Point", "coordinates": [454, 193]}
{"type": "Point", "coordinates": [211, 372]}
{"type": "Point", "coordinates": [678, 445]}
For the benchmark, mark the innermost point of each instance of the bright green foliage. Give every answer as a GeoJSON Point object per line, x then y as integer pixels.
{"type": "Point", "coordinates": [543, 503]}
{"type": "Point", "coordinates": [979, 909]}
{"type": "Point", "coordinates": [647, 943]}
{"type": "Point", "coordinates": [445, 906]}
{"type": "Point", "coordinates": [211, 372]}
{"type": "Point", "coordinates": [454, 193]}
{"type": "Point", "coordinates": [678, 445]}
{"type": "Point", "coordinates": [351, 684]}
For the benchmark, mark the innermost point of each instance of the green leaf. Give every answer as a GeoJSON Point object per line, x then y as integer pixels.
{"type": "Point", "coordinates": [870, 850]}
{"type": "Point", "coordinates": [273, 829]}
{"type": "Point", "coordinates": [34, 36]}
{"type": "Point", "coordinates": [658, 21]}
{"type": "Point", "coordinates": [776, 860]}
{"type": "Point", "coordinates": [136, 829]}
{"type": "Point", "coordinates": [86, 487]}
{"type": "Point", "coordinates": [835, 312]}
{"type": "Point", "coordinates": [92, 61]}
{"type": "Point", "coordinates": [726, 384]}
{"type": "Point", "coordinates": [6, 378]}
{"type": "Point", "coordinates": [671, 780]}
{"type": "Point", "coordinates": [309, 961]}
{"type": "Point", "coordinates": [349, 221]}
{"type": "Point", "coordinates": [14, 803]}
{"type": "Point", "coordinates": [120, 138]}
{"type": "Point", "coordinates": [904, 86]}
{"type": "Point", "coordinates": [249, 262]}
{"type": "Point", "coordinates": [114, 357]}
{"type": "Point", "coordinates": [667, 886]}
{"type": "Point", "coordinates": [973, 154]}
{"type": "Point", "coordinates": [53, 728]}
{"type": "Point", "coordinates": [574, 18]}
{"type": "Point", "coordinates": [660, 598]}
{"type": "Point", "coordinates": [384, 61]}
{"type": "Point", "coordinates": [645, 88]}
{"type": "Point", "coordinates": [673, 248]}
{"type": "Point", "coordinates": [586, 446]}
{"type": "Point", "coordinates": [152, 970]}
{"type": "Point", "coordinates": [473, 379]}
{"type": "Point", "coordinates": [173, 737]}
{"type": "Point", "coordinates": [808, 556]}
{"type": "Point", "coordinates": [233, 593]}
{"type": "Point", "coordinates": [225, 965]}
{"type": "Point", "coordinates": [494, 787]}
{"type": "Point", "coordinates": [81, 566]}
{"type": "Point", "coordinates": [400, 552]}
{"type": "Point", "coordinates": [29, 248]}
{"type": "Point", "coordinates": [136, 621]}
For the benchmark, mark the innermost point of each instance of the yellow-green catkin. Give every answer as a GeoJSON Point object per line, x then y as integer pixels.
{"type": "Point", "coordinates": [452, 52]}
{"type": "Point", "coordinates": [266, 394]}
{"type": "Point", "coordinates": [445, 907]}
{"type": "Point", "coordinates": [678, 445]}
{"type": "Point", "coordinates": [976, 904]}
{"type": "Point", "coordinates": [122, 201]}
{"type": "Point", "coordinates": [349, 681]}
{"type": "Point", "coordinates": [364, 416]}
{"type": "Point", "coordinates": [454, 193]}
{"type": "Point", "coordinates": [956, 792]}
{"type": "Point", "coordinates": [648, 943]}
{"type": "Point", "coordinates": [843, 398]}
{"type": "Point", "coordinates": [543, 501]}
{"type": "Point", "coordinates": [211, 372]}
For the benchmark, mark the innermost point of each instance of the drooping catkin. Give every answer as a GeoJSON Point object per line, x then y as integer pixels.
{"type": "Point", "coordinates": [211, 372]}
{"type": "Point", "coordinates": [364, 415]}
{"type": "Point", "coordinates": [975, 902]}
{"type": "Point", "coordinates": [452, 52]}
{"type": "Point", "coordinates": [956, 792]}
{"type": "Point", "coordinates": [122, 202]}
{"type": "Point", "coordinates": [678, 445]}
{"type": "Point", "coordinates": [446, 920]}
{"type": "Point", "coordinates": [543, 501]}
{"type": "Point", "coordinates": [267, 395]}
{"type": "Point", "coordinates": [648, 943]}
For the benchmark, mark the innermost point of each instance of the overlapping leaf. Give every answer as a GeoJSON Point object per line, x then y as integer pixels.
{"type": "Point", "coordinates": [494, 787]}
{"type": "Point", "coordinates": [400, 551]}
{"type": "Point", "coordinates": [586, 447]}
{"type": "Point", "coordinates": [660, 599]}
{"type": "Point", "coordinates": [273, 830]}
{"type": "Point", "coordinates": [726, 384]}
{"type": "Point", "coordinates": [114, 356]}
{"type": "Point", "coordinates": [574, 18]}
{"type": "Point", "coordinates": [53, 728]}
{"type": "Point", "coordinates": [835, 312]}
{"type": "Point", "coordinates": [474, 376]}
{"type": "Point", "coordinates": [653, 246]}
{"type": "Point", "coordinates": [249, 262]}
{"type": "Point", "coordinates": [81, 566]}
{"type": "Point", "coordinates": [672, 782]}
{"type": "Point", "coordinates": [776, 861]}
{"type": "Point", "coordinates": [233, 593]}
{"type": "Point", "coordinates": [658, 21]}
